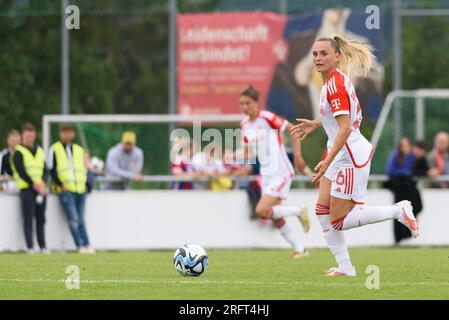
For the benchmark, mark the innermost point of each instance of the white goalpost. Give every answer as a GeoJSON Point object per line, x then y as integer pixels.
{"type": "Point", "coordinates": [47, 120]}
{"type": "Point", "coordinates": [420, 106]}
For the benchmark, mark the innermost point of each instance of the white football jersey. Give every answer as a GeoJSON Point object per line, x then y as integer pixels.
{"type": "Point", "coordinates": [264, 136]}
{"type": "Point", "coordinates": [338, 97]}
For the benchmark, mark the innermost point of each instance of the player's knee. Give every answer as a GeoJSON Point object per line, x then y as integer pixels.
{"type": "Point", "coordinates": [262, 213]}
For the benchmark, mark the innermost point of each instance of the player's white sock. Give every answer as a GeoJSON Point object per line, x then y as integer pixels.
{"type": "Point", "coordinates": [290, 230]}
{"type": "Point", "coordinates": [363, 215]}
{"type": "Point", "coordinates": [335, 239]}
{"type": "Point", "coordinates": [279, 212]}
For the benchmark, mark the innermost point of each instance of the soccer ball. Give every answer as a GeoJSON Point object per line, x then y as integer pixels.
{"type": "Point", "coordinates": [190, 260]}
{"type": "Point", "coordinates": [96, 165]}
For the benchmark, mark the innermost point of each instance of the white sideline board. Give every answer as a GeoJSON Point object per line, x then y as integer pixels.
{"type": "Point", "coordinates": [139, 220]}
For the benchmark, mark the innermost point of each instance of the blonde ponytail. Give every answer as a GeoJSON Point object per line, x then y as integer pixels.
{"type": "Point", "coordinates": [355, 56]}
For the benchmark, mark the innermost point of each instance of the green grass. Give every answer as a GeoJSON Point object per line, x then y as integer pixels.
{"type": "Point", "coordinates": [405, 273]}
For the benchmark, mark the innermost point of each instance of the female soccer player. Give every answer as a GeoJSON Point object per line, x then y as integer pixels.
{"type": "Point", "coordinates": [262, 134]}
{"type": "Point", "coordinates": [343, 174]}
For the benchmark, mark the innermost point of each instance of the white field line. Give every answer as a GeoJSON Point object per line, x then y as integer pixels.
{"type": "Point", "coordinates": [225, 282]}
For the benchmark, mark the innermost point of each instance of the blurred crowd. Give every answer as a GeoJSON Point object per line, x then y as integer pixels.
{"type": "Point", "coordinates": [69, 171]}
{"type": "Point", "coordinates": [410, 161]}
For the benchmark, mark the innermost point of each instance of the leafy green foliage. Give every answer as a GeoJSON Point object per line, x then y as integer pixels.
{"type": "Point", "coordinates": [119, 57]}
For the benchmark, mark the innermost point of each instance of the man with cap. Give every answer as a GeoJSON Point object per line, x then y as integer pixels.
{"type": "Point", "coordinates": [66, 162]}
{"type": "Point", "coordinates": [124, 162]}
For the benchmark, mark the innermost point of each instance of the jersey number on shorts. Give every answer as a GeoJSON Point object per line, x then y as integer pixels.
{"type": "Point", "coordinates": [345, 177]}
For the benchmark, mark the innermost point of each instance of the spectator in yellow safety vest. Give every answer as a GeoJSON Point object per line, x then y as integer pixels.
{"type": "Point", "coordinates": [66, 162]}
{"type": "Point", "coordinates": [30, 173]}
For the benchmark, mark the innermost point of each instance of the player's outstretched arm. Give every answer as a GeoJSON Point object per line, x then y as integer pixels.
{"type": "Point", "coordinates": [304, 127]}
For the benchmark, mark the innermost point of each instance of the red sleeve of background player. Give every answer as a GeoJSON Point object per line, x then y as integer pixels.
{"type": "Point", "coordinates": [275, 121]}
{"type": "Point", "coordinates": [337, 96]}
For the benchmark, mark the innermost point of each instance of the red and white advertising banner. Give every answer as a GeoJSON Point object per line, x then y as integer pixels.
{"type": "Point", "coordinates": [221, 54]}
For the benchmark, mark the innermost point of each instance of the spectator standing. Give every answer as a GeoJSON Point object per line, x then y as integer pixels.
{"type": "Point", "coordinates": [30, 173]}
{"type": "Point", "coordinates": [67, 165]}
{"type": "Point", "coordinates": [124, 161]}
{"type": "Point", "coordinates": [421, 167]}
{"type": "Point", "coordinates": [438, 159]}
{"type": "Point", "coordinates": [6, 154]}
{"type": "Point", "coordinates": [400, 171]}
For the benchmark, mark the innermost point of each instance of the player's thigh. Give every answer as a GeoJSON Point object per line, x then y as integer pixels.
{"type": "Point", "coordinates": [265, 204]}
{"type": "Point", "coordinates": [348, 189]}
{"type": "Point", "coordinates": [276, 186]}
{"type": "Point", "coordinates": [324, 192]}
{"type": "Point", "coordinates": [361, 177]}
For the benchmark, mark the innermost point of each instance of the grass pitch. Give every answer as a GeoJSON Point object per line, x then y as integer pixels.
{"type": "Point", "coordinates": [405, 273]}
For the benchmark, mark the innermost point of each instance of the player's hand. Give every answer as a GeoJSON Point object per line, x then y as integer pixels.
{"type": "Point", "coordinates": [299, 162]}
{"type": "Point", "coordinates": [308, 172]}
{"type": "Point", "coordinates": [321, 167]}
{"type": "Point", "coordinates": [302, 129]}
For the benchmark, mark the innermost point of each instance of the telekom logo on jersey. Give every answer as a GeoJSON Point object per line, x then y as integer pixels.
{"type": "Point", "coordinates": [336, 104]}
{"type": "Point", "coordinates": [263, 144]}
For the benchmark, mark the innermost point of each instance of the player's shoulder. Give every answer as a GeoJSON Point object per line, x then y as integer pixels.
{"type": "Point", "coordinates": [337, 78]}
{"type": "Point", "coordinates": [267, 115]}
{"type": "Point", "coordinates": [337, 82]}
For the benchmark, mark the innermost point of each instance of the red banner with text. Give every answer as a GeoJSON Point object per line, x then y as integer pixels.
{"type": "Point", "coordinates": [221, 54]}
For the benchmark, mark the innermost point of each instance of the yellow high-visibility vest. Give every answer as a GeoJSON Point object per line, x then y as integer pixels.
{"type": "Point", "coordinates": [72, 175]}
{"type": "Point", "coordinates": [34, 166]}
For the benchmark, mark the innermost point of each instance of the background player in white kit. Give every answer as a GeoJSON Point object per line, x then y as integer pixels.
{"type": "Point", "coordinates": [262, 134]}
{"type": "Point", "coordinates": [344, 173]}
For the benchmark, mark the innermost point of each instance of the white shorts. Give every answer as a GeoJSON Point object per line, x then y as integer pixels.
{"type": "Point", "coordinates": [348, 181]}
{"type": "Point", "coordinates": [276, 186]}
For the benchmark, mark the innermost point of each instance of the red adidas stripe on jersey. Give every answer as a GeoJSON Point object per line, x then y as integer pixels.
{"type": "Point", "coordinates": [337, 95]}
